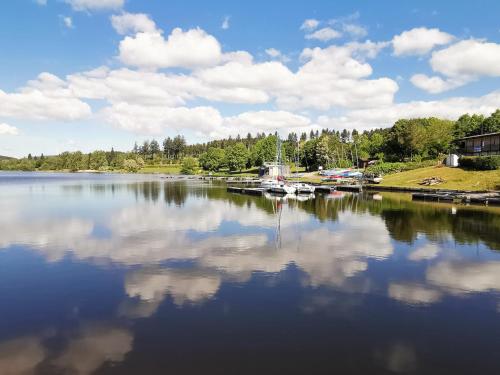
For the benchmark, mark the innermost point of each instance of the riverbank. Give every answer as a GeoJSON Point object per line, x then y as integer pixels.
{"type": "Point", "coordinates": [454, 179]}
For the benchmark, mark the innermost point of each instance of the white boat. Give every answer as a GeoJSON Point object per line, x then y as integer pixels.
{"type": "Point", "coordinates": [282, 188]}
{"type": "Point", "coordinates": [267, 184]}
{"type": "Point", "coordinates": [372, 178]}
{"type": "Point", "coordinates": [276, 186]}
{"type": "Point", "coordinates": [302, 188]}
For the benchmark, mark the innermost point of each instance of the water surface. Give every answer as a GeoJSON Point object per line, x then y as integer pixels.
{"type": "Point", "coordinates": [112, 274]}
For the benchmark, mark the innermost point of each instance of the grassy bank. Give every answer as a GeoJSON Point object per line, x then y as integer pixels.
{"type": "Point", "coordinates": [167, 169]}
{"type": "Point", "coordinates": [454, 178]}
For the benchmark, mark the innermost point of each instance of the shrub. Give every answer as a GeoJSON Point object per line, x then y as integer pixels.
{"type": "Point", "coordinates": [388, 168]}
{"type": "Point", "coordinates": [466, 162]}
{"type": "Point", "coordinates": [25, 165]}
{"type": "Point", "coordinates": [482, 163]}
{"type": "Point", "coordinates": [189, 165]}
{"type": "Point", "coordinates": [130, 165]}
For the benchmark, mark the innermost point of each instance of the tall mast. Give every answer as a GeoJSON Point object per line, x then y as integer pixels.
{"type": "Point", "coordinates": [278, 154]}
{"type": "Point", "coordinates": [278, 150]}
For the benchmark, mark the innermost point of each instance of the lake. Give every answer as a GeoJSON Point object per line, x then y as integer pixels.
{"type": "Point", "coordinates": [130, 274]}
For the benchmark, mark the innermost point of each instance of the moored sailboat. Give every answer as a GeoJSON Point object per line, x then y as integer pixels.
{"type": "Point", "coordinates": [302, 188]}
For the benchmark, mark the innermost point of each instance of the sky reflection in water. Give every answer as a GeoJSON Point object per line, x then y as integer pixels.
{"type": "Point", "coordinates": [130, 274]}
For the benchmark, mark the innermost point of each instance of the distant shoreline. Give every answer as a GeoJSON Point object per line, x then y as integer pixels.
{"type": "Point", "coordinates": [401, 187]}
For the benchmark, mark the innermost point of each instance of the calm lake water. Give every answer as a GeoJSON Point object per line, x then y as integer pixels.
{"type": "Point", "coordinates": [142, 275]}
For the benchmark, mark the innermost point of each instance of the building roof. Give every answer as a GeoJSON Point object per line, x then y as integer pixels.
{"type": "Point", "coordinates": [479, 135]}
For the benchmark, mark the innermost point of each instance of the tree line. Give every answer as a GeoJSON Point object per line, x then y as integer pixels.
{"type": "Point", "coordinates": [407, 140]}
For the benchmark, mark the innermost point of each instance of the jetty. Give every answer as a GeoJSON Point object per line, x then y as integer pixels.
{"type": "Point", "coordinates": [330, 188]}
{"type": "Point", "coordinates": [258, 191]}
{"type": "Point", "coordinates": [245, 190]}
{"type": "Point", "coordinates": [433, 197]}
{"type": "Point", "coordinates": [451, 196]}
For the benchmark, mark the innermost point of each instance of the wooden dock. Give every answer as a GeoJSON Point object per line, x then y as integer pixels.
{"type": "Point", "coordinates": [353, 188]}
{"type": "Point", "coordinates": [475, 198]}
{"type": "Point", "coordinates": [433, 197]}
{"type": "Point", "coordinates": [428, 196]}
{"type": "Point", "coordinates": [249, 191]}
{"type": "Point", "coordinates": [329, 188]}
{"type": "Point", "coordinates": [324, 188]}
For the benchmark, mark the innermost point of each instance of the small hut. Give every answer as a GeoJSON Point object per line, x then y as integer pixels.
{"type": "Point", "coordinates": [274, 170]}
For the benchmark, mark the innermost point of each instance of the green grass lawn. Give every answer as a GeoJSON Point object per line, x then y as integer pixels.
{"type": "Point", "coordinates": [167, 169]}
{"type": "Point", "coordinates": [454, 178]}
{"type": "Point", "coordinates": [251, 172]}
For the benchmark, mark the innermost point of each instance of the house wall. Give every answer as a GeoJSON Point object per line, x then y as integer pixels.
{"type": "Point", "coordinates": [275, 170]}
{"type": "Point", "coordinates": [488, 145]}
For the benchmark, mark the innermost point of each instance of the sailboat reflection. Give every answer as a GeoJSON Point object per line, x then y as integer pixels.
{"type": "Point", "coordinates": [288, 197]}
{"type": "Point", "coordinates": [278, 201]}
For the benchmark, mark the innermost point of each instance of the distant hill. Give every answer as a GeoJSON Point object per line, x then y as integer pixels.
{"type": "Point", "coordinates": [5, 157]}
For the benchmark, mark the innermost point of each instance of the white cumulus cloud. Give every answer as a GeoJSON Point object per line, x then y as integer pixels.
{"type": "Point", "coordinates": [356, 31]}
{"type": "Point", "coordinates": [419, 41]}
{"type": "Point", "coordinates": [277, 55]}
{"type": "Point", "coordinates": [273, 52]}
{"type": "Point", "coordinates": [349, 25]}
{"type": "Point", "coordinates": [46, 98]}
{"type": "Point", "coordinates": [187, 49]}
{"type": "Point", "coordinates": [267, 121]}
{"type": "Point", "coordinates": [460, 63]}
{"type": "Point", "coordinates": [309, 24]}
{"type": "Point", "coordinates": [6, 129]}
{"type": "Point", "coordinates": [435, 84]}
{"type": "Point", "coordinates": [89, 5]}
{"type": "Point", "coordinates": [325, 34]}
{"type": "Point", "coordinates": [468, 58]}
{"type": "Point", "coordinates": [155, 119]}
{"type": "Point", "coordinates": [132, 23]}
{"type": "Point", "coordinates": [386, 115]}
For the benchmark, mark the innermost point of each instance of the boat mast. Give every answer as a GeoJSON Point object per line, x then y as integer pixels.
{"type": "Point", "coordinates": [297, 157]}
{"type": "Point", "coordinates": [278, 154]}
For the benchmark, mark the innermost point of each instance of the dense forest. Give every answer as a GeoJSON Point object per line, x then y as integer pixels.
{"type": "Point", "coordinates": [407, 140]}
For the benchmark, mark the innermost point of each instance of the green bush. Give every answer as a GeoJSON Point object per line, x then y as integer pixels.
{"type": "Point", "coordinates": [466, 162]}
{"type": "Point", "coordinates": [388, 168]}
{"type": "Point", "coordinates": [130, 165]}
{"type": "Point", "coordinates": [189, 165]}
{"type": "Point", "coordinates": [481, 163]}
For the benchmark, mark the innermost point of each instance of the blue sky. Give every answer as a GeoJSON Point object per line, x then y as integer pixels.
{"type": "Point", "coordinates": [96, 74]}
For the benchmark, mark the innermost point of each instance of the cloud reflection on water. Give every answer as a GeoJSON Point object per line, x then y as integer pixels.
{"type": "Point", "coordinates": [149, 233]}
{"type": "Point", "coordinates": [20, 356]}
{"type": "Point", "coordinates": [83, 352]}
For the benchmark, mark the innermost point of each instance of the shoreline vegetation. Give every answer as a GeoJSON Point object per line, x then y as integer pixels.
{"type": "Point", "coordinates": [457, 179]}
{"type": "Point", "coordinates": [405, 154]}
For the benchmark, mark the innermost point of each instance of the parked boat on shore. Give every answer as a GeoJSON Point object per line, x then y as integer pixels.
{"type": "Point", "coordinates": [372, 178]}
